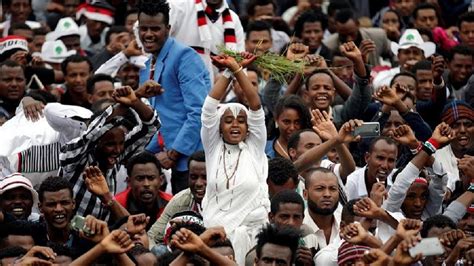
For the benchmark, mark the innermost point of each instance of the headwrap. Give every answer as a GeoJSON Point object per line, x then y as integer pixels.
{"type": "Point", "coordinates": [348, 251]}
{"type": "Point", "coordinates": [457, 110]}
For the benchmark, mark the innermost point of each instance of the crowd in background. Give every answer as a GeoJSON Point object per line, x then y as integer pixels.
{"type": "Point", "coordinates": [227, 132]}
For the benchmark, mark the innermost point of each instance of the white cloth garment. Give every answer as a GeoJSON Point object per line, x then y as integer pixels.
{"type": "Point", "coordinates": [317, 239]}
{"type": "Point", "coordinates": [184, 28]}
{"type": "Point", "coordinates": [241, 208]}
{"type": "Point", "coordinates": [355, 185]}
{"type": "Point", "coordinates": [448, 160]}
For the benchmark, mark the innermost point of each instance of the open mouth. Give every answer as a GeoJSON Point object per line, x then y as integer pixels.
{"type": "Point", "coordinates": [59, 219]}
{"type": "Point", "coordinates": [382, 175]}
{"type": "Point", "coordinates": [147, 195]}
{"type": "Point", "coordinates": [200, 192]}
{"type": "Point", "coordinates": [112, 160]}
{"type": "Point", "coordinates": [321, 99]}
{"type": "Point", "coordinates": [235, 133]}
{"type": "Point", "coordinates": [18, 211]}
{"type": "Point", "coordinates": [463, 141]}
{"type": "Point", "coordinates": [148, 43]}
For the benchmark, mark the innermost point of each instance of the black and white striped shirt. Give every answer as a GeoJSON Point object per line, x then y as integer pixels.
{"type": "Point", "coordinates": [77, 154]}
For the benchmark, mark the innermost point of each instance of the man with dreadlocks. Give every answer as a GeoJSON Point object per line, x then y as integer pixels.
{"type": "Point", "coordinates": [205, 25]}
{"type": "Point", "coordinates": [185, 81]}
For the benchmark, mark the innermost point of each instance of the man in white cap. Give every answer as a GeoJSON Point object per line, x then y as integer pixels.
{"type": "Point", "coordinates": [68, 32]}
{"type": "Point", "coordinates": [99, 16]}
{"type": "Point", "coordinates": [17, 197]}
{"type": "Point", "coordinates": [53, 53]}
{"type": "Point", "coordinates": [409, 50]}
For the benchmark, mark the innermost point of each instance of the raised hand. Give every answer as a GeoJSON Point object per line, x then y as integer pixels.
{"type": "Point", "coordinates": [450, 239]}
{"type": "Point", "coordinates": [405, 136]}
{"type": "Point", "coordinates": [466, 166]}
{"type": "Point", "coordinates": [408, 227]}
{"type": "Point", "coordinates": [376, 257]}
{"type": "Point", "coordinates": [345, 133]}
{"type": "Point", "coordinates": [165, 161]}
{"type": "Point", "coordinates": [378, 193]}
{"type": "Point", "coordinates": [98, 229]}
{"type": "Point", "coordinates": [125, 95]}
{"type": "Point", "coordinates": [368, 209]}
{"type": "Point", "coordinates": [213, 234]}
{"type": "Point", "coordinates": [437, 68]}
{"type": "Point", "coordinates": [187, 241]}
{"type": "Point", "coordinates": [225, 61]}
{"type": "Point", "coordinates": [304, 256]}
{"type": "Point", "coordinates": [313, 62]}
{"type": "Point", "coordinates": [32, 108]}
{"type": "Point", "coordinates": [117, 242]}
{"type": "Point", "coordinates": [350, 50]}
{"type": "Point", "coordinates": [136, 223]}
{"type": "Point", "coordinates": [247, 59]}
{"type": "Point", "coordinates": [354, 233]}
{"type": "Point", "coordinates": [402, 256]}
{"type": "Point", "coordinates": [149, 89]}
{"type": "Point", "coordinates": [387, 95]}
{"type": "Point", "coordinates": [95, 181]}
{"type": "Point", "coordinates": [459, 249]}
{"type": "Point", "coordinates": [323, 125]}
{"type": "Point", "coordinates": [132, 49]}
{"type": "Point", "coordinates": [297, 51]}
{"type": "Point", "coordinates": [443, 134]}
{"type": "Point", "coordinates": [367, 46]}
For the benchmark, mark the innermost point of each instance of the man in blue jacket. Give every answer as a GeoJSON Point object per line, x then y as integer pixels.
{"type": "Point", "coordinates": [185, 81]}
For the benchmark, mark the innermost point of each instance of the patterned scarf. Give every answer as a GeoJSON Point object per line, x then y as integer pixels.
{"type": "Point", "coordinates": [213, 15]}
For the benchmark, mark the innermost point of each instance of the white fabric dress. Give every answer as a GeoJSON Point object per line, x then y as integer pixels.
{"type": "Point", "coordinates": [241, 208]}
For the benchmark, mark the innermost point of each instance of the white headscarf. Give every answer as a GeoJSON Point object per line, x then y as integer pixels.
{"type": "Point", "coordinates": [235, 109]}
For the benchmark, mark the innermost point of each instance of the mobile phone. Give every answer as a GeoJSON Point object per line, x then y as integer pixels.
{"type": "Point", "coordinates": [367, 130]}
{"type": "Point", "coordinates": [427, 247]}
{"type": "Point", "coordinates": [78, 224]}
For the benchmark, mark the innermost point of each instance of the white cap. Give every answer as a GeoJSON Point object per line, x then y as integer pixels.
{"type": "Point", "coordinates": [412, 38]}
{"type": "Point", "coordinates": [17, 180]}
{"type": "Point", "coordinates": [55, 51]}
{"type": "Point", "coordinates": [65, 27]}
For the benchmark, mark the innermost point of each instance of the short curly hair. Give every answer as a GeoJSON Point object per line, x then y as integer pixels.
{"type": "Point", "coordinates": [54, 184]}
{"type": "Point", "coordinates": [286, 236]}
{"type": "Point", "coordinates": [153, 8]}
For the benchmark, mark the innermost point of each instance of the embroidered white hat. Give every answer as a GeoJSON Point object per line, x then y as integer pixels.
{"type": "Point", "coordinates": [17, 180]}
{"type": "Point", "coordinates": [100, 11]}
{"type": "Point", "coordinates": [412, 38]}
{"type": "Point", "coordinates": [13, 42]}
{"type": "Point", "coordinates": [55, 51]}
{"type": "Point", "coordinates": [65, 27]}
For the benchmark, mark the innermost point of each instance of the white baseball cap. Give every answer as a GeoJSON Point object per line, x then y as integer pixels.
{"type": "Point", "coordinates": [55, 51]}
{"type": "Point", "coordinates": [412, 38]}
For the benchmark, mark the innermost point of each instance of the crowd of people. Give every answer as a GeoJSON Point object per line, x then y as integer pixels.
{"type": "Point", "coordinates": [155, 132]}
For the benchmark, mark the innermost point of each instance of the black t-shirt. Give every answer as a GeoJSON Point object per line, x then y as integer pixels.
{"type": "Point", "coordinates": [45, 75]}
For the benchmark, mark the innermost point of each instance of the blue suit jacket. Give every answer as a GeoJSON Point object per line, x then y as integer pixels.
{"type": "Point", "coordinates": [186, 83]}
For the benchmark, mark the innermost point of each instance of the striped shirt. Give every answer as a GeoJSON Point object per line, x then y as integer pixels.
{"type": "Point", "coordinates": [78, 154]}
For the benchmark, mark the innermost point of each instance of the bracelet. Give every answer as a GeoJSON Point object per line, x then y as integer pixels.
{"type": "Point", "coordinates": [429, 150]}
{"type": "Point", "coordinates": [471, 187]}
{"type": "Point", "coordinates": [433, 142]}
{"type": "Point", "coordinates": [417, 149]}
{"type": "Point", "coordinates": [238, 70]}
{"type": "Point", "coordinates": [109, 203]}
{"type": "Point", "coordinates": [227, 74]}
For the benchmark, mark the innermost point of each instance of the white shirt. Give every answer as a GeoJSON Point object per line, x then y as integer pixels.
{"type": "Point", "coordinates": [448, 161]}
{"type": "Point", "coordinates": [355, 184]}
{"type": "Point", "coordinates": [184, 28]}
{"type": "Point", "coordinates": [317, 239]}
{"type": "Point", "coordinates": [327, 256]}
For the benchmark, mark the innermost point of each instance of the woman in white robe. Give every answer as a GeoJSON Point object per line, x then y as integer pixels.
{"type": "Point", "coordinates": [234, 139]}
